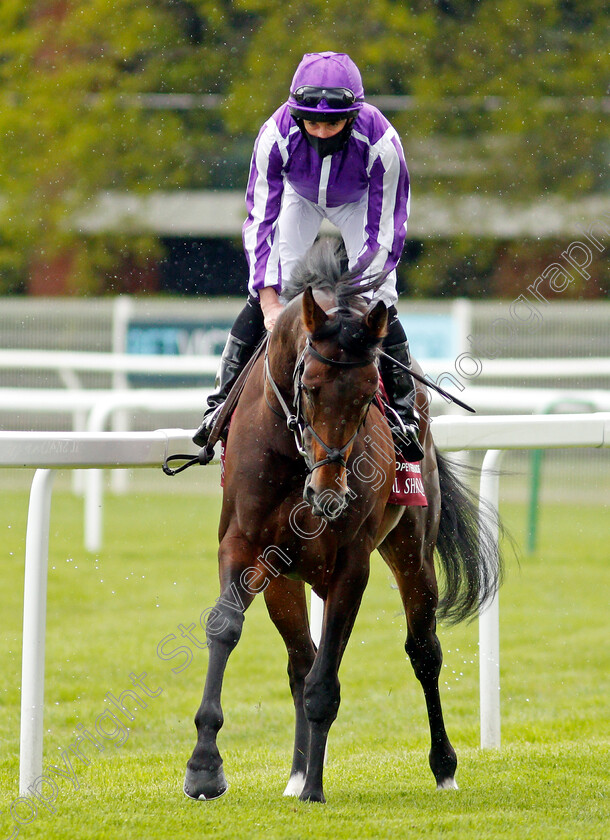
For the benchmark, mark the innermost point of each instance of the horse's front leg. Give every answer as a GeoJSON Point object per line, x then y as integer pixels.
{"type": "Point", "coordinates": [205, 778]}
{"type": "Point", "coordinates": [288, 610]}
{"type": "Point", "coordinates": [322, 693]}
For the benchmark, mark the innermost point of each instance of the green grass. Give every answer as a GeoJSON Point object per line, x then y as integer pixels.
{"type": "Point", "coordinates": [108, 612]}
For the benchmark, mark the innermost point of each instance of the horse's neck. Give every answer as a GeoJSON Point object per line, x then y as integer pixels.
{"type": "Point", "coordinates": [285, 347]}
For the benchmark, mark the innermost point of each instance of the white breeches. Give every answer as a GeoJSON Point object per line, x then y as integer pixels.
{"type": "Point", "coordinates": [299, 223]}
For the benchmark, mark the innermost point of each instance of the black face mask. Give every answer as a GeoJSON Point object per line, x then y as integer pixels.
{"type": "Point", "coordinates": [328, 145]}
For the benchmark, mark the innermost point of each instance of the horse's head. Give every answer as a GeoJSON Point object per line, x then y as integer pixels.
{"type": "Point", "coordinates": [339, 379]}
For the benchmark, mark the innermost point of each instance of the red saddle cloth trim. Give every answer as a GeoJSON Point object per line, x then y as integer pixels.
{"type": "Point", "coordinates": [223, 447]}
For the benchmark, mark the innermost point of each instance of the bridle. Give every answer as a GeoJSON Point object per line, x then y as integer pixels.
{"type": "Point", "coordinates": [295, 419]}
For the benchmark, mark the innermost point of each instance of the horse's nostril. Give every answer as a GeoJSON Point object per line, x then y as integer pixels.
{"type": "Point", "coordinates": [327, 504]}
{"type": "Point", "coordinates": [308, 493]}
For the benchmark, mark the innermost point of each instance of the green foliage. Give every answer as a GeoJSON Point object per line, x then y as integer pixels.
{"type": "Point", "coordinates": [72, 124]}
{"type": "Point", "coordinates": [526, 81]}
{"type": "Point", "coordinates": [507, 93]}
{"type": "Point", "coordinates": [493, 268]}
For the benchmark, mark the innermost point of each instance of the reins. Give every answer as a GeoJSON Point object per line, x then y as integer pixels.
{"type": "Point", "coordinates": [190, 461]}
{"type": "Point", "coordinates": [205, 455]}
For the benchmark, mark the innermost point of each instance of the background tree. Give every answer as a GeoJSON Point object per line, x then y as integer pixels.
{"type": "Point", "coordinates": [505, 101]}
{"type": "Point", "coordinates": [73, 122]}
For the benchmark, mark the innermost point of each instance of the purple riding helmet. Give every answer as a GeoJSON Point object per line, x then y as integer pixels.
{"type": "Point", "coordinates": [327, 87]}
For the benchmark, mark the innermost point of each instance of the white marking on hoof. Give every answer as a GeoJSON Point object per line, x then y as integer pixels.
{"type": "Point", "coordinates": [447, 784]}
{"type": "Point", "coordinates": [295, 785]}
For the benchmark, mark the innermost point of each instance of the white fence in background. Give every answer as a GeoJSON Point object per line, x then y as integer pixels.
{"type": "Point", "coordinates": [96, 409]}
{"type": "Point", "coordinates": [50, 451]}
{"type": "Point", "coordinates": [69, 363]}
{"type": "Point", "coordinates": [93, 410]}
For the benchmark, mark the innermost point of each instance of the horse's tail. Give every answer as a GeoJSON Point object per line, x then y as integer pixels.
{"type": "Point", "coordinates": [467, 548]}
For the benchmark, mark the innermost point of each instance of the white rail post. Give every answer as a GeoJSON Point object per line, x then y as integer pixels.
{"type": "Point", "coordinates": [489, 616]}
{"type": "Point", "coordinates": [34, 622]}
{"type": "Point", "coordinates": [94, 514]}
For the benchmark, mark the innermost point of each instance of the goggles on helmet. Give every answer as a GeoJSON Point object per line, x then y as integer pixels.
{"type": "Point", "coordinates": [338, 99]}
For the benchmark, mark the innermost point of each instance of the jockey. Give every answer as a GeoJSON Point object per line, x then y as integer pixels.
{"type": "Point", "coordinates": [325, 153]}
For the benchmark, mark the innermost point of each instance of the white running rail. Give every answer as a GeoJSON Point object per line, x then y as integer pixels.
{"type": "Point", "coordinates": [68, 363]}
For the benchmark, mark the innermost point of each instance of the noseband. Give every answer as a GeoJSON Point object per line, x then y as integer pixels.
{"type": "Point", "coordinates": [295, 420]}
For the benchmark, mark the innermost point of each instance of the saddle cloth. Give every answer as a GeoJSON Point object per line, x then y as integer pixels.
{"type": "Point", "coordinates": [408, 489]}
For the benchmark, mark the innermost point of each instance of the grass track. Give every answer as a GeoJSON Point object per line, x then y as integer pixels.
{"type": "Point", "coordinates": [107, 614]}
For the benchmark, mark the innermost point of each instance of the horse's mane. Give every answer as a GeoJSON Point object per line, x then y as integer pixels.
{"type": "Point", "coordinates": [321, 269]}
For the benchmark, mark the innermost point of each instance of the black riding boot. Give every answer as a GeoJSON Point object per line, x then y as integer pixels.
{"type": "Point", "coordinates": [234, 358]}
{"type": "Point", "coordinates": [400, 389]}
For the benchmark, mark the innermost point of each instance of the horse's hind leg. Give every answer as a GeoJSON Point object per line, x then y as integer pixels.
{"type": "Point", "coordinates": [287, 608]}
{"type": "Point", "coordinates": [416, 580]}
{"type": "Point", "coordinates": [205, 778]}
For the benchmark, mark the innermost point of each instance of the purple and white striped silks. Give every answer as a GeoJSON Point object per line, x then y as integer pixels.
{"type": "Point", "coordinates": [372, 163]}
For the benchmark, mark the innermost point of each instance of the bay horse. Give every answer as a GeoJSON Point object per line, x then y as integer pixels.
{"type": "Point", "coordinates": [300, 505]}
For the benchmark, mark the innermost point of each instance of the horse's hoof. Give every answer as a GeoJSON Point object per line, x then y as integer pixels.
{"type": "Point", "coordinates": [312, 796]}
{"type": "Point", "coordinates": [447, 784]}
{"type": "Point", "coordinates": [295, 785]}
{"type": "Point", "coordinates": [205, 784]}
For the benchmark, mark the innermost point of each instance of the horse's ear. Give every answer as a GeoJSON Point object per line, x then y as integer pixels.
{"type": "Point", "coordinates": [314, 317]}
{"type": "Point", "coordinates": [377, 320]}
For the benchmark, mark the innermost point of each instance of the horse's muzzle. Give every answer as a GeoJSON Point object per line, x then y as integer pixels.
{"type": "Point", "coordinates": [328, 504]}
